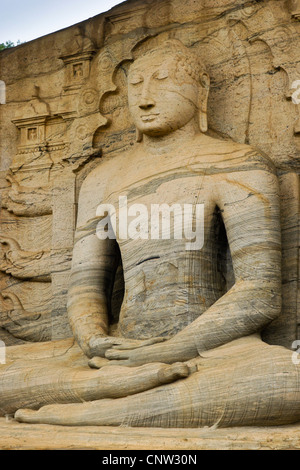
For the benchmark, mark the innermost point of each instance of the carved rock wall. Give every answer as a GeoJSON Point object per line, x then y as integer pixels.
{"type": "Point", "coordinates": [66, 111]}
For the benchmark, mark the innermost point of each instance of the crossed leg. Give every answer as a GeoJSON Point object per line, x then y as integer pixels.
{"type": "Point", "coordinates": [245, 383]}
{"type": "Point", "coordinates": [66, 378]}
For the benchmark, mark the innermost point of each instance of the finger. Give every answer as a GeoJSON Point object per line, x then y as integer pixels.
{"type": "Point", "coordinates": [107, 342]}
{"type": "Point", "coordinates": [126, 345]}
{"type": "Point", "coordinates": [116, 354]}
{"type": "Point", "coordinates": [94, 342]}
{"type": "Point", "coordinates": [98, 346]}
{"type": "Point", "coordinates": [148, 342]}
{"type": "Point", "coordinates": [98, 362]}
{"type": "Point", "coordinates": [135, 344]}
{"type": "Point", "coordinates": [124, 362]}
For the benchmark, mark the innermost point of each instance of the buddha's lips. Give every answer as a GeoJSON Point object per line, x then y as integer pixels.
{"type": "Point", "coordinates": [149, 117]}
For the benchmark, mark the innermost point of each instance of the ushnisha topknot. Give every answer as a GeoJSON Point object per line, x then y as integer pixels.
{"type": "Point", "coordinates": [185, 57]}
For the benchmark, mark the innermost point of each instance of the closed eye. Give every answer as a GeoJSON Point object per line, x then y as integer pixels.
{"type": "Point", "coordinates": [161, 75]}
{"type": "Point", "coordinates": [136, 80]}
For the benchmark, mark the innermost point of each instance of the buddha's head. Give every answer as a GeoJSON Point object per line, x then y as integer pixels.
{"type": "Point", "coordinates": [167, 88]}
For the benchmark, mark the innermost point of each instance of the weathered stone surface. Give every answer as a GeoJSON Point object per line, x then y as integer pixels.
{"type": "Point", "coordinates": [70, 140]}
{"type": "Point", "coordinates": [17, 436]}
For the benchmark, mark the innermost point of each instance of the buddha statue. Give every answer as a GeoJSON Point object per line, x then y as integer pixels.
{"type": "Point", "coordinates": [187, 351]}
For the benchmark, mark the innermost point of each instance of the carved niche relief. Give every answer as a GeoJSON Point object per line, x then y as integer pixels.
{"type": "Point", "coordinates": [77, 70]}
{"type": "Point", "coordinates": [31, 119]}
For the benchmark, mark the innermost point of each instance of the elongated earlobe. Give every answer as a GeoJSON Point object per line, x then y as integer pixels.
{"type": "Point", "coordinates": [139, 135]}
{"type": "Point", "coordinates": [203, 99]}
{"type": "Point", "coordinates": [203, 118]}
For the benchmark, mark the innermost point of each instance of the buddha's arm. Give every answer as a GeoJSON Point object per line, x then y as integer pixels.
{"type": "Point", "coordinates": [249, 203]}
{"type": "Point", "coordinates": [93, 270]}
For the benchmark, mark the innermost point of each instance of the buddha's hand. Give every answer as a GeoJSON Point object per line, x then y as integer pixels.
{"type": "Point", "coordinates": [168, 352]}
{"type": "Point", "coordinates": [98, 345]}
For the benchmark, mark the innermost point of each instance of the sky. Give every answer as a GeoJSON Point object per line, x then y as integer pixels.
{"type": "Point", "coordinates": [25, 20]}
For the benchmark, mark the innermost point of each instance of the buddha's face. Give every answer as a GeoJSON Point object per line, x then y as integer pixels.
{"type": "Point", "coordinates": [162, 96]}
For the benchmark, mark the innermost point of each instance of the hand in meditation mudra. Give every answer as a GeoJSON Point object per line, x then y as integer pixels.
{"type": "Point", "coordinates": [188, 351]}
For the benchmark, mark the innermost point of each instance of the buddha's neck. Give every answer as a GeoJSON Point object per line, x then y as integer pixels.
{"type": "Point", "coordinates": [170, 142]}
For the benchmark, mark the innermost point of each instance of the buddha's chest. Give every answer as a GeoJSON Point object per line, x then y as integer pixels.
{"type": "Point", "coordinates": [168, 202]}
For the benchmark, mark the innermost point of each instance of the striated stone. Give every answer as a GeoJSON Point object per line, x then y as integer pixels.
{"type": "Point", "coordinates": [187, 104]}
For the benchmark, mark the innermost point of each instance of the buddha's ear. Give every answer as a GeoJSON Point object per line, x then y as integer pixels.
{"type": "Point", "coordinates": [203, 99]}
{"type": "Point", "coordinates": [139, 135]}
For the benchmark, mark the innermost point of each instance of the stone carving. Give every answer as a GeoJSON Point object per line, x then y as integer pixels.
{"type": "Point", "coordinates": [78, 54]}
{"type": "Point", "coordinates": [75, 146]}
{"type": "Point", "coordinates": [27, 201]}
{"type": "Point", "coordinates": [33, 265]}
{"type": "Point", "coordinates": [25, 311]}
{"type": "Point", "coordinates": [181, 324]}
{"type": "Point", "coordinates": [77, 69]}
{"type": "Point", "coordinates": [24, 264]}
{"type": "Point", "coordinates": [30, 119]}
{"type": "Point", "coordinates": [18, 322]}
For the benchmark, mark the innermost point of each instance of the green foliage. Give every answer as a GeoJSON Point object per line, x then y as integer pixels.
{"type": "Point", "coordinates": [9, 44]}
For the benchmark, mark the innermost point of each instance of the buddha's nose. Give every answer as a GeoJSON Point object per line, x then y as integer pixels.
{"type": "Point", "coordinates": [146, 103]}
{"type": "Point", "coordinates": [146, 100]}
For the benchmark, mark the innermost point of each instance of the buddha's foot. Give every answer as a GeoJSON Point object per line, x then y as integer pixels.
{"type": "Point", "coordinates": [74, 414]}
{"type": "Point", "coordinates": [116, 382]}
{"type": "Point", "coordinates": [121, 381]}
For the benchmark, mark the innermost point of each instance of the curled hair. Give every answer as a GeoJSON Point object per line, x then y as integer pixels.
{"type": "Point", "coordinates": [185, 58]}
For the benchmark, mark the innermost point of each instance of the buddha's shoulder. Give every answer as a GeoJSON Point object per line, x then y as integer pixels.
{"type": "Point", "coordinates": [233, 154]}
{"type": "Point", "coordinates": [100, 175]}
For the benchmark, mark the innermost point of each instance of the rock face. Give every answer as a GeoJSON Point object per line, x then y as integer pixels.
{"type": "Point", "coordinates": [154, 102]}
